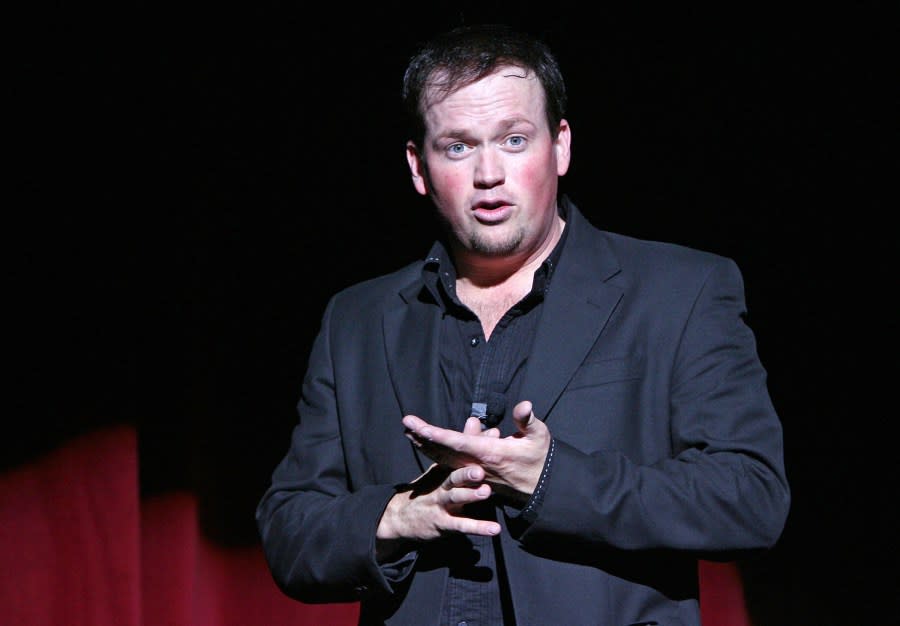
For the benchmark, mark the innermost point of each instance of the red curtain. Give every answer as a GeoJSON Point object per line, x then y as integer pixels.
{"type": "Point", "coordinates": [78, 547]}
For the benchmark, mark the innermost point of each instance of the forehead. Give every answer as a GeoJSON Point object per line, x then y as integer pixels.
{"type": "Point", "coordinates": [505, 91]}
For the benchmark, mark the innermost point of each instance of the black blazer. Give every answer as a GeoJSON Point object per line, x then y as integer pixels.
{"type": "Point", "coordinates": [668, 446]}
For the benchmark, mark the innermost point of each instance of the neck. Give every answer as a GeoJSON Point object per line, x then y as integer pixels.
{"type": "Point", "coordinates": [489, 287]}
{"type": "Point", "coordinates": [482, 272]}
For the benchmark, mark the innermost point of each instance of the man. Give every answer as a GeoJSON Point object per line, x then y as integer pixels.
{"type": "Point", "coordinates": [539, 423]}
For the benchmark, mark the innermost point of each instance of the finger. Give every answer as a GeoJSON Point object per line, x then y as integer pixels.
{"type": "Point", "coordinates": [523, 415]}
{"type": "Point", "coordinates": [464, 486]}
{"type": "Point", "coordinates": [469, 476]}
{"type": "Point", "coordinates": [423, 432]}
{"type": "Point", "coordinates": [471, 526]}
{"type": "Point", "coordinates": [442, 455]}
{"type": "Point", "coordinates": [432, 473]}
{"type": "Point", "coordinates": [414, 422]}
{"type": "Point", "coordinates": [430, 480]}
{"type": "Point", "coordinates": [418, 429]}
{"type": "Point", "coordinates": [472, 427]}
{"type": "Point", "coordinates": [467, 495]}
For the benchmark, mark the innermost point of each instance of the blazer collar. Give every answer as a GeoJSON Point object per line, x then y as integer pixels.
{"type": "Point", "coordinates": [577, 307]}
{"type": "Point", "coordinates": [411, 334]}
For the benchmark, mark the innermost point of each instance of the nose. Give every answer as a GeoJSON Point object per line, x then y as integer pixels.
{"type": "Point", "coordinates": [489, 170]}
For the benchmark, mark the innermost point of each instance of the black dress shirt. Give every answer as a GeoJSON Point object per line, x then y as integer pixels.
{"type": "Point", "coordinates": [482, 377]}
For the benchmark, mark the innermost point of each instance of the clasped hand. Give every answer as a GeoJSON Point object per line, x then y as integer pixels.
{"type": "Point", "coordinates": [512, 465]}
{"type": "Point", "coordinates": [468, 467]}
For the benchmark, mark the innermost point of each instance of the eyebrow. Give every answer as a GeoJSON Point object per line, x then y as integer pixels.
{"type": "Point", "coordinates": [505, 125]}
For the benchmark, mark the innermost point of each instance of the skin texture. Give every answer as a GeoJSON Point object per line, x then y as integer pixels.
{"type": "Point", "coordinates": [490, 165]}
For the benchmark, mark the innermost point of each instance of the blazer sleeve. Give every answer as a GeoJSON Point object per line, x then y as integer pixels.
{"type": "Point", "coordinates": [318, 536]}
{"type": "Point", "coordinates": [723, 488]}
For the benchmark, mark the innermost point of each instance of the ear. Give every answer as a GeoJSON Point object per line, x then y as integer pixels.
{"type": "Point", "coordinates": [417, 168]}
{"type": "Point", "coordinates": [563, 147]}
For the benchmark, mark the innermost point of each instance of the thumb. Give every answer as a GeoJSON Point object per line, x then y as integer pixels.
{"type": "Point", "coordinates": [523, 415]}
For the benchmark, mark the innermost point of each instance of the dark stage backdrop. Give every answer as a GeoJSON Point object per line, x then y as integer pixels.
{"type": "Point", "coordinates": [191, 185]}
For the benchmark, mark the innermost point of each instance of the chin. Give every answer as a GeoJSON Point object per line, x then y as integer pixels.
{"type": "Point", "coordinates": [494, 247]}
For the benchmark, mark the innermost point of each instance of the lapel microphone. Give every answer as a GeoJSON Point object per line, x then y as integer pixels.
{"type": "Point", "coordinates": [490, 413]}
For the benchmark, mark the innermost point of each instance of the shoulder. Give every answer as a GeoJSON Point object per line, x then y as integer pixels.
{"type": "Point", "coordinates": [647, 267]}
{"type": "Point", "coordinates": [670, 275]}
{"type": "Point", "coordinates": [661, 256]}
{"type": "Point", "coordinates": [626, 257]}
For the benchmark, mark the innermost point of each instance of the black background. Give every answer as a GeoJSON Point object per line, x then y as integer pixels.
{"type": "Point", "coordinates": [191, 185]}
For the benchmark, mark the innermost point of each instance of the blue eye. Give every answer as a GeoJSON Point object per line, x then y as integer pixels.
{"type": "Point", "coordinates": [456, 148]}
{"type": "Point", "coordinates": [516, 141]}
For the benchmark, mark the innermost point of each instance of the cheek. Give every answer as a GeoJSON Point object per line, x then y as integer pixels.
{"type": "Point", "coordinates": [449, 181]}
{"type": "Point", "coordinates": [535, 173]}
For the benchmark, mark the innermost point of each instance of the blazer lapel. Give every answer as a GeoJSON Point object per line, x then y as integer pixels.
{"type": "Point", "coordinates": [411, 334]}
{"type": "Point", "coordinates": [578, 306]}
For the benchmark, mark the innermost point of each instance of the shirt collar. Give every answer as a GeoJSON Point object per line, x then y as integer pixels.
{"type": "Point", "coordinates": [439, 271]}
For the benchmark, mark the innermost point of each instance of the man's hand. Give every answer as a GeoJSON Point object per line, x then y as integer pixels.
{"type": "Point", "coordinates": [432, 507]}
{"type": "Point", "coordinates": [512, 464]}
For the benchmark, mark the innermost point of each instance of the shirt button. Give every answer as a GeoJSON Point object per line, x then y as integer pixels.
{"type": "Point", "coordinates": [472, 342]}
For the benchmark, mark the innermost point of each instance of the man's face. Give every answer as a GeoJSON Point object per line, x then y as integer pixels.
{"type": "Point", "coordinates": [491, 165]}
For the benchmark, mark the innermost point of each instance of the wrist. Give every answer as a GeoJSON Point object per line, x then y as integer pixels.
{"type": "Point", "coordinates": [387, 529]}
{"type": "Point", "coordinates": [389, 544]}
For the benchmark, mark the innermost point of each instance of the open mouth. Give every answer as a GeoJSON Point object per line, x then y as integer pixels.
{"type": "Point", "coordinates": [492, 212]}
